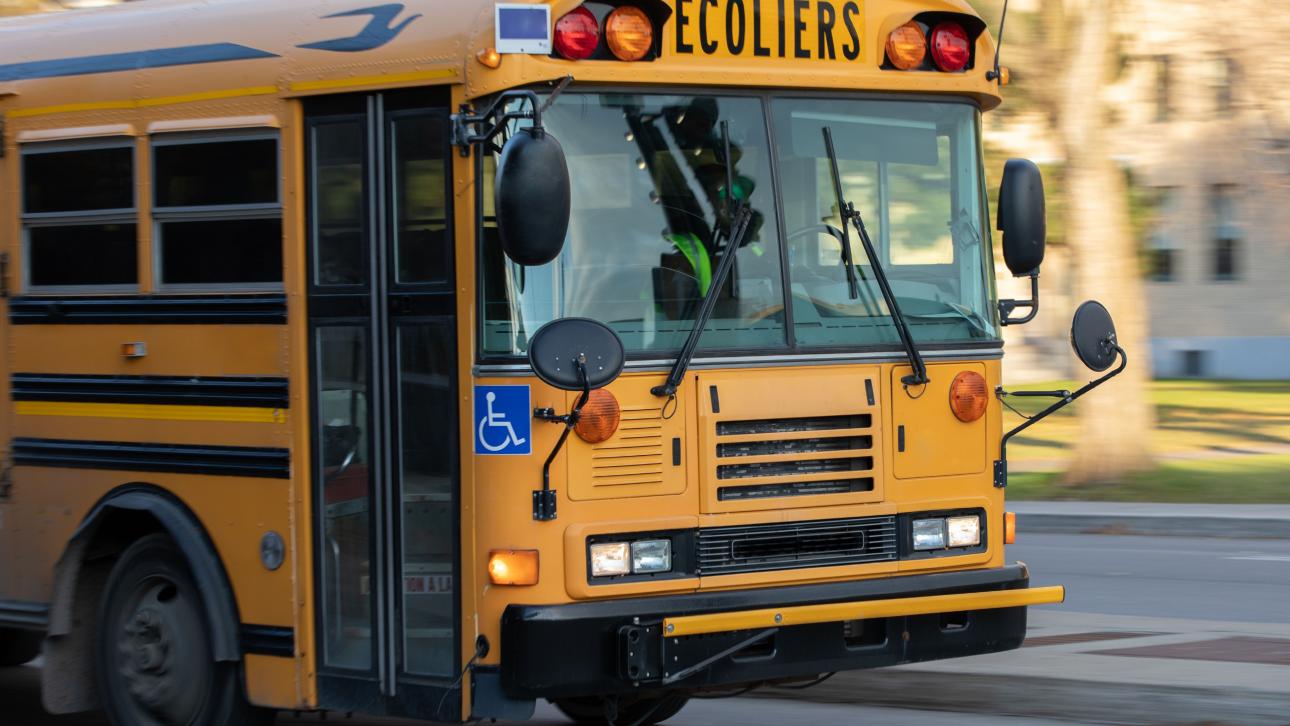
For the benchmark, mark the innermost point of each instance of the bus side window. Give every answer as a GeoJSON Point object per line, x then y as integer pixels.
{"type": "Point", "coordinates": [217, 211]}
{"type": "Point", "coordinates": [79, 218]}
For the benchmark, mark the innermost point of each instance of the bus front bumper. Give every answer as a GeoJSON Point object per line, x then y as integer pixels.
{"type": "Point", "coordinates": [709, 640]}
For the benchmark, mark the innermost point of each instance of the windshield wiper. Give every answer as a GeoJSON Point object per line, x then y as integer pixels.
{"type": "Point", "coordinates": [740, 220]}
{"type": "Point", "coordinates": [850, 215]}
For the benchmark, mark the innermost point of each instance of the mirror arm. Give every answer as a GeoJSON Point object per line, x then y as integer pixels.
{"type": "Point", "coordinates": [1001, 465]}
{"type": "Point", "coordinates": [544, 498]}
{"type": "Point", "coordinates": [466, 125]}
{"type": "Point", "coordinates": [1006, 307]}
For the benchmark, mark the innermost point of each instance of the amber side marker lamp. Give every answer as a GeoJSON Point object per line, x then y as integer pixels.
{"type": "Point", "coordinates": [513, 567]}
{"type": "Point", "coordinates": [599, 419]}
{"type": "Point", "coordinates": [907, 46]}
{"type": "Point", "coordinates": [629, 33]}
{"type": "Point", "coordinates": [1009, 527]}
{"type": "Point", "coordinates": [968, 396]}
{"type": "Point", "coordinates": [489, 58]}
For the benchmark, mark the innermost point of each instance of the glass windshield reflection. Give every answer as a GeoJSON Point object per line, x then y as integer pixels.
{"type": "Point", "coordinates": [649, 198]}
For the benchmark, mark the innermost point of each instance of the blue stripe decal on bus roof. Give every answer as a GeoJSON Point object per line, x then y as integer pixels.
{"type": "Point", "coordinates": [131, 61]}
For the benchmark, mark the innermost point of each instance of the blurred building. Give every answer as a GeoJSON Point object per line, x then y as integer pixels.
{"type": "Point", "coordinates": [1203, 123]}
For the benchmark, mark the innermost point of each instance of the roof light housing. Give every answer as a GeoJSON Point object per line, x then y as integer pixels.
{"type": "Point", "coordinates": [907, 46]}
{"type": "Point", "coordinates": [577, 34]}
{"type": "Point", "coordinates": [951, 48]}
{"type": "Point", "coordinates": [629, 33]}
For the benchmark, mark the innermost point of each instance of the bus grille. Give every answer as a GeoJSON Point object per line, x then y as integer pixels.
{"type": "Point", "coordinates": [799, 456]}
{"type": "Point", "coordinates": [796, 545]}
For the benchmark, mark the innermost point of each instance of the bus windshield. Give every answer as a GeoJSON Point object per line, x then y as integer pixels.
{"type": "Point", "coordinates": [650, 204]}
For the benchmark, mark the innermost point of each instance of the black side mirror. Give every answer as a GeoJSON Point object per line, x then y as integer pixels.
{"type": "Point", "coordinates": [1022, 221]}
{"type": "Point", "coordinates": [532, 197]}
{"type": "Point", "coordinates": [571, 354]}
{"type": "Point", "coordinates": [1094, 341]}
{"type": "Point", "coordinates": [1093, 336]}
{"type": "Point", "coordinates": [1021, 217]}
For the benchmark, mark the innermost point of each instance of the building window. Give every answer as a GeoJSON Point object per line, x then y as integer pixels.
{"type": "Point", "coordinates": [1227, 233]}
{"type": "Point", "coordinates": [78, 214]}
{"type": "Point", "coordinates": [1222, 77]}
{"type": "Point", "coordinates": [1163, 254]}
{"type": "Point", "coordinates": [1195, 363]}
{"type": "Point", "coordinates": [218, 212]}
{"type": "Point", "coordinates": [1163, 87]}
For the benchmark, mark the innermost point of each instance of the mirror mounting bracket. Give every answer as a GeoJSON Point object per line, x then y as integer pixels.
{"type": "Point", "coordinates": [544, 499]}
{"type": "Point", "coordinates": [470, 128]}
{"type": "Point", "coordinates": [1065, 399]}
{"type": "Point", "coordinates": [1008, 307]}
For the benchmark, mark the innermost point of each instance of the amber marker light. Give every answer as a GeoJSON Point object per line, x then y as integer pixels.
{"type": "Point", "coordinates": [489, 58]}
{"type": "Point", "coordinates": [513, 567]}
{"type": "Point", "coordinates": [968, 396]}
{"type": "Point", "coordinates": [629, 33]}
{"type": "Point", "coordinates": [600, 417]}
{"type": "Point", "coordinates": [907, 46]}
{"type": "Point", "coordinates": [1009, 527]}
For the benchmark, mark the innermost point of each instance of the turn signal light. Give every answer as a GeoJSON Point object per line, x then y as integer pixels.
{"type": "Point", "coordinates": [577, 35]}
{"type": "Point", "coordinates": [513, 567]}
{"type": "Point", "coordinates": [907, 46]}
{"type": "Point", "coordinates": [629, 33]}
{"type": "Point", "coordinates": [600, 417]}
{"type": "Point", "coordinates": [1009, 527]}
{"type": "Point", "coordinates": [950, 48]}
{"type": "Point", "coordinates": [968, 397]}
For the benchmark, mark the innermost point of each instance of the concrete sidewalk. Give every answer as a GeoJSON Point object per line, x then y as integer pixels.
{"type": "Point", "coordinates": [1096, 668]}
{"type": "Point", "coordinates": [1254, 521]}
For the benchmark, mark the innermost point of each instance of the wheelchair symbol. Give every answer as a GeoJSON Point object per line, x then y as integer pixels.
{"type": "Point", "coordinates": [495, 426]}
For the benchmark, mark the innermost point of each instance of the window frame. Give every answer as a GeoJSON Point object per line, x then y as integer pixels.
{"type": "Point", "coordinates": [792, 350]}
{"type": "Point", "coordinates": [121, 215]}
{"type": "Point", "coordinates": [213, 212]}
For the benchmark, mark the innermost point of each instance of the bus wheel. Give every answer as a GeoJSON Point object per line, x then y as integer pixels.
{"type": "Point", "coordinates": [18, 646]}
{"type": "Point", "coordinates": [631, 712]}
{"type": "Point", "coordinates": [153, 662]}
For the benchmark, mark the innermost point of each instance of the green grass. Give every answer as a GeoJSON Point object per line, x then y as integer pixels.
{"type": "Point", "coordinates": [1215, 441]}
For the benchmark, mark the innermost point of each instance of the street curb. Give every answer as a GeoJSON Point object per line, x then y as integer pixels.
{"type": "Point", "coordinates": [1043, 697]}
{"type": "Point", "coordinates": [1155, 525]}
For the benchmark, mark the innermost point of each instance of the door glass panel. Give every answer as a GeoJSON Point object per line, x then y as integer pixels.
{"type": "Point", "coordinates": [420, 201]}
{"type": "Point", "coordinates": [427, 444]}
{"type": "Point", "coordinates": [345, 470]}
{"type": "Point", "coordinates": [338, 151]}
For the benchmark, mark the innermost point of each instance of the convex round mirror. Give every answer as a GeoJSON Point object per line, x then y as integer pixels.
{"type": "Point", "coordinates": [532, 197]}
{"type": "Point", "coordinates": [556, 346]}
{"type": "Point", "coordinates": [1021, 216]}
{"type": "Point", "coordinates": [1093, 336]}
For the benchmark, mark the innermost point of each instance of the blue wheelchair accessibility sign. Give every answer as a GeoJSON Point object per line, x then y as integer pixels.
{"type": "Point", "coordinates": [503, 420]}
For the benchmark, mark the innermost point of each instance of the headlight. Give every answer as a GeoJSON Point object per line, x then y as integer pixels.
{"type": "Point", "coordinates": [964, 531]}
{"type": "Point", "coordinates": [609, 559]}
{"type": "Point", "coordinates": [929, 534]}
{"type": "Point", "coordinates": [651, 555]}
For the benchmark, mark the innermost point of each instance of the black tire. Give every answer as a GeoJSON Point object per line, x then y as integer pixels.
{"type": "Point", "coordinates": [635, 712]}
{"type": "Point", "coordinates": [153, 659]}
{"type": "Point", "coordinates": [18, 646]}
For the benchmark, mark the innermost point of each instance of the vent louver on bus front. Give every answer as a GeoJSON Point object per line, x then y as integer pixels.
{"type": "Point", "coordinates": [800, 456]}
{"type": "Point", "coordinates": [635, 454]}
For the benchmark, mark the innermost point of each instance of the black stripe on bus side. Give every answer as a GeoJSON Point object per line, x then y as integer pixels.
{"type": "Point", "coordinates": [171, 390]}
{"type": "Point", "coordinates": [179, 459]}
{"type": "Point", "coordinates": [268, 640]}
{"type": "Point", "coordinates": [150, 309]}
{"type": "Point", "coordinates": [25, 615]}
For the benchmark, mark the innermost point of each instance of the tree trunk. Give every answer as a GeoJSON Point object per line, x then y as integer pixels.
{"type": "Point", "coordinates": [1115, 422]}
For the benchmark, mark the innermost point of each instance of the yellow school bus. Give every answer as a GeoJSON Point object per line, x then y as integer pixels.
{"type": "Point", "coordinates": [430, 358]}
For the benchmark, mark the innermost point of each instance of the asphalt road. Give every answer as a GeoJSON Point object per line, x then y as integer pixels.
{"type": "Point", "coordinates": [1179, 577]}
{"type": "Point", "coordinates": [1205, 579]}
